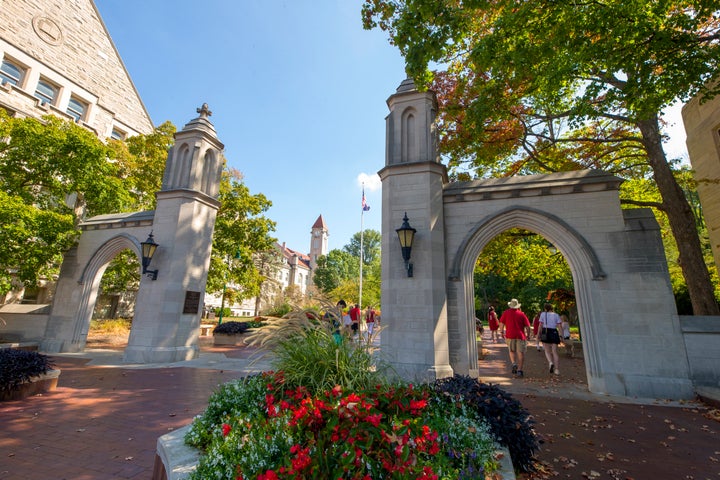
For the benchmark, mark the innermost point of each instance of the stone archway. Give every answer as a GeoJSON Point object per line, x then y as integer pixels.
{"type": "Point", "coordinates": [616, 258]}
{"type": "Point", "coordinates": [102, 239]}
{"type": "Point", "coordinates": [580, 255]}
{"type": "Point", "coordinates": [168, 307]}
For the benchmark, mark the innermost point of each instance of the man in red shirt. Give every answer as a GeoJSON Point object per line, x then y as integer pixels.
{"type": "Point", "coordinates": [516, 328]}
{"type": "Point", "coordinates": [355, 318]}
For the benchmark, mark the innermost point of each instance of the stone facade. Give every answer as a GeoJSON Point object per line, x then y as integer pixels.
{"type": "Point", "coordinates": [65, 44]}
{"type": "Point", "coordinates": [632, 341]}
{"type": "Point", "coordinates": [702, 125]}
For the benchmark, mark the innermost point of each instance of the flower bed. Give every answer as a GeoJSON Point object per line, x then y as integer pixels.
{"type": "Point", "coordinates": [328, 411]}
{"type": "Point", "coordinates": [256, 428]}
{"type": "Point", "coordinates": [233, 333]}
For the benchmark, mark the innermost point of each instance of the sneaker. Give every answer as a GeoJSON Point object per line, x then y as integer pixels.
{"type": "Point", "coordinates": [539, 349]}
{"type": "Point", "coordinates": [552, 368]}
{"type": "Point", "coordinates": [556, 372]}
{"type": "Point", "coordinates": [514, 369]}
{"type": "Point", "coordinates": [520, 374]}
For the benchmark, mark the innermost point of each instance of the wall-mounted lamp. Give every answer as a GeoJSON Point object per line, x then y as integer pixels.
{"type": "Point", "coordinates": [148, 250]}
{"type": "Point", "coordinates": [406, 234]}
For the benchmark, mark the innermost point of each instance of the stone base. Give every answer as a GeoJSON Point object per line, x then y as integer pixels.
{"type": "Point", "coordinates": [34, 386]}
{"type": "Point", "coordinates": [135, 354]}
{"type": "Point", "coordinates": [222, 339]}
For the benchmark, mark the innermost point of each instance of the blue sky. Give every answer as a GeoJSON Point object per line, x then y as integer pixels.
{"type": "Point", "coordinates": [297, 90]}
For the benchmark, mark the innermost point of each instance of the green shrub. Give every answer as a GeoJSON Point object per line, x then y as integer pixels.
{"type": "Point", "coordinates": [509, 422]}
{"type": "Point", "coordinates": [18, 366]}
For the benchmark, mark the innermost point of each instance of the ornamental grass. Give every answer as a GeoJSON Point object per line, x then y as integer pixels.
{"type": "Point", "coordinates": [329, 411]}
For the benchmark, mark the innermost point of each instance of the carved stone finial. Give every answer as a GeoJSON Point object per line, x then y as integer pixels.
{"type": "Point", "coordinates": [204, 111]}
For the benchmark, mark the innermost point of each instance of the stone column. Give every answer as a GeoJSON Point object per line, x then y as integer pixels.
{"type": "Point", "coordinates": [168, 310]}
{"type": "Point", "coordinates": [414, 309]}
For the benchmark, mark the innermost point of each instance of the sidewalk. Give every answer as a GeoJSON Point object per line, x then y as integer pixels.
{"type": "Point", "coordinates": [104, 419]}
{"type": "Point", "coordinates": [588, 436]}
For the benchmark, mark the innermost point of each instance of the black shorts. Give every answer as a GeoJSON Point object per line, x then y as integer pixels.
{"type": "Point", "coordinates": [354, 326]}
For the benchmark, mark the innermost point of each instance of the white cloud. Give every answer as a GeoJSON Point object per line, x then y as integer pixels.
{"type": "Point", "coordinates": [371, 181]}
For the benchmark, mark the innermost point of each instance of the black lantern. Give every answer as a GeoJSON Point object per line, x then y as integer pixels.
{"type": "Point", "coordinates": [148, 250]}
{"type": "Point", "coordinates": [406, 234]}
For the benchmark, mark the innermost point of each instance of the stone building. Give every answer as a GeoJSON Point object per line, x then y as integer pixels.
{"type": "Point", "coordinates": [290, 274]}
{"type": "Point", "coordinates": [58, 59]}
{"type": "Point", "coordinates": [702, 125]}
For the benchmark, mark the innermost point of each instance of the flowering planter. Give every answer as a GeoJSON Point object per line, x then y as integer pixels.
{"type": "Point", "coordinates": [174, 460]}
{"type": "Point", "coordinates": [34, 386]}
{"type": "Point", "coordinates": [224, 339]}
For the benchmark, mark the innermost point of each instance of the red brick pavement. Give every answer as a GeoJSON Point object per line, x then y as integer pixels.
{"type": "Point", "coordinates": [592, 437]}
{"type": "Point", "coordinates": [103, 423]}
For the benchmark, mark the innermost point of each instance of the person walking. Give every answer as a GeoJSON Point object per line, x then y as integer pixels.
{"type": "Point", "coordinates": [493, 324]}
{"type": "Point", "coordinates": [550, 322]}
{"type": "Point", "coordinates": [355, 315]}
{"type": "Point", "coordinates": [536, 331]}
{"type": "Point", "coordinates": [370, 321]}
{"type": "Point", "coordinates": [516, 329]}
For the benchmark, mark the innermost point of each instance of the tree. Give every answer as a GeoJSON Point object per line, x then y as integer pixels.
{"type": "Point", "coordinates": [338, 273]}
{"type": "Point", "coordinates": [141, 160]}
{"type": "Point", "coordinates": [520, 264]}
{"type": "Point", "coordinates": [141, 163]}
{"type": "Point", "coordinates": [371, 240]}
{"type": "Point", "coordinates": [334, 268]}
{"type": "Point", "coordinates": [534, 81]}
{"type": "Point", "coordinates": [241, 231]}
{"type": "Point", "coordinates": [52, 174]}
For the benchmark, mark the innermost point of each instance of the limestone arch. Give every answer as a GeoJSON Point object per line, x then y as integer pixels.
{"type": "Point", "coordinates": [579, 254]}
{"type": "Point", "coordinates": [91, 276]}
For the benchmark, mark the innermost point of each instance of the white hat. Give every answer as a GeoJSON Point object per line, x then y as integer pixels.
{"type": "Point", "coordinates": [513, 303]}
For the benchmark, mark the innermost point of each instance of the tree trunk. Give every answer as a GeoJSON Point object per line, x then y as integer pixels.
{"type": "Point", "coordinates": [682, 222]}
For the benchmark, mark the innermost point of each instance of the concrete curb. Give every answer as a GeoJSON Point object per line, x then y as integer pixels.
{"type": "Point", "coordinates": [180, 460]}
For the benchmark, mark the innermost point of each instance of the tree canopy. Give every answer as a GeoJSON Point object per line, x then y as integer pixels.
{"type": "Point", "coordinates": [241, 232]}
{"type": "Point", "coordinates": [537, 87]}
{"type": "Point", "coordinates": [54, 173]}
{"type": "Point", "coordinates": [338, 273]}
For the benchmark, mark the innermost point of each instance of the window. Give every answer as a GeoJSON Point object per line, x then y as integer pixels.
{"type": "Point", "coordinates": [76, 109]}
{"type": "Point", "coordinates": [46, 92]}
{"type": "Point", "coordinates": [117, 134]}
{"type": "Point", "coordinates": [11, 73]}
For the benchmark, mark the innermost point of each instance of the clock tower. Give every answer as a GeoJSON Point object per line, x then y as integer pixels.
{"type": "Point", "coordinates": [318, 241]}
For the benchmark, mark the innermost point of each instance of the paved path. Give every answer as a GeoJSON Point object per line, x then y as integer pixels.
{"type": "Point", "coordinates": [586, 436]}
{"type": "Point", "coordinates": [104, 419]}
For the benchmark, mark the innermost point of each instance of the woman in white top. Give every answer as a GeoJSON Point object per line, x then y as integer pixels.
{"type": "Point", "coordinates": [552, 322]}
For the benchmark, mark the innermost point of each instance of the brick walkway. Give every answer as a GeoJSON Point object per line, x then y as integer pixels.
{"type": "Point", "coordinates": [103, 423]}
{"type": "Point", "coordinates": [588, 436]}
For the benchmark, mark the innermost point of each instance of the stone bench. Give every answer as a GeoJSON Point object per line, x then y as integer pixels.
{"type": "Point", "coordinates": [206, 330]}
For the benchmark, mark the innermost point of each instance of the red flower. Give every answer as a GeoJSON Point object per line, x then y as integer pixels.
{"type": "Point", "coordinates": [374, 420]}
{"type": "Point", "coordinates": [226, 429]}
{"type": "Point", "coordinates": [269, 475]}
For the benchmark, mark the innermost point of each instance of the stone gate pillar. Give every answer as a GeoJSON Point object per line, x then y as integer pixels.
{"type": "Point", "coordinates": [414, 309]}
{"type": "Point", "coordinates": [168, 310]}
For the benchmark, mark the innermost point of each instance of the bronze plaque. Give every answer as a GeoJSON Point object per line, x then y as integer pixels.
{"type": "Point", "coordinates": [192, 302]}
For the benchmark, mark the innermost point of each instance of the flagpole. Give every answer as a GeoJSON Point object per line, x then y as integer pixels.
{"type": "Point", "coordinates": [362, 214]}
